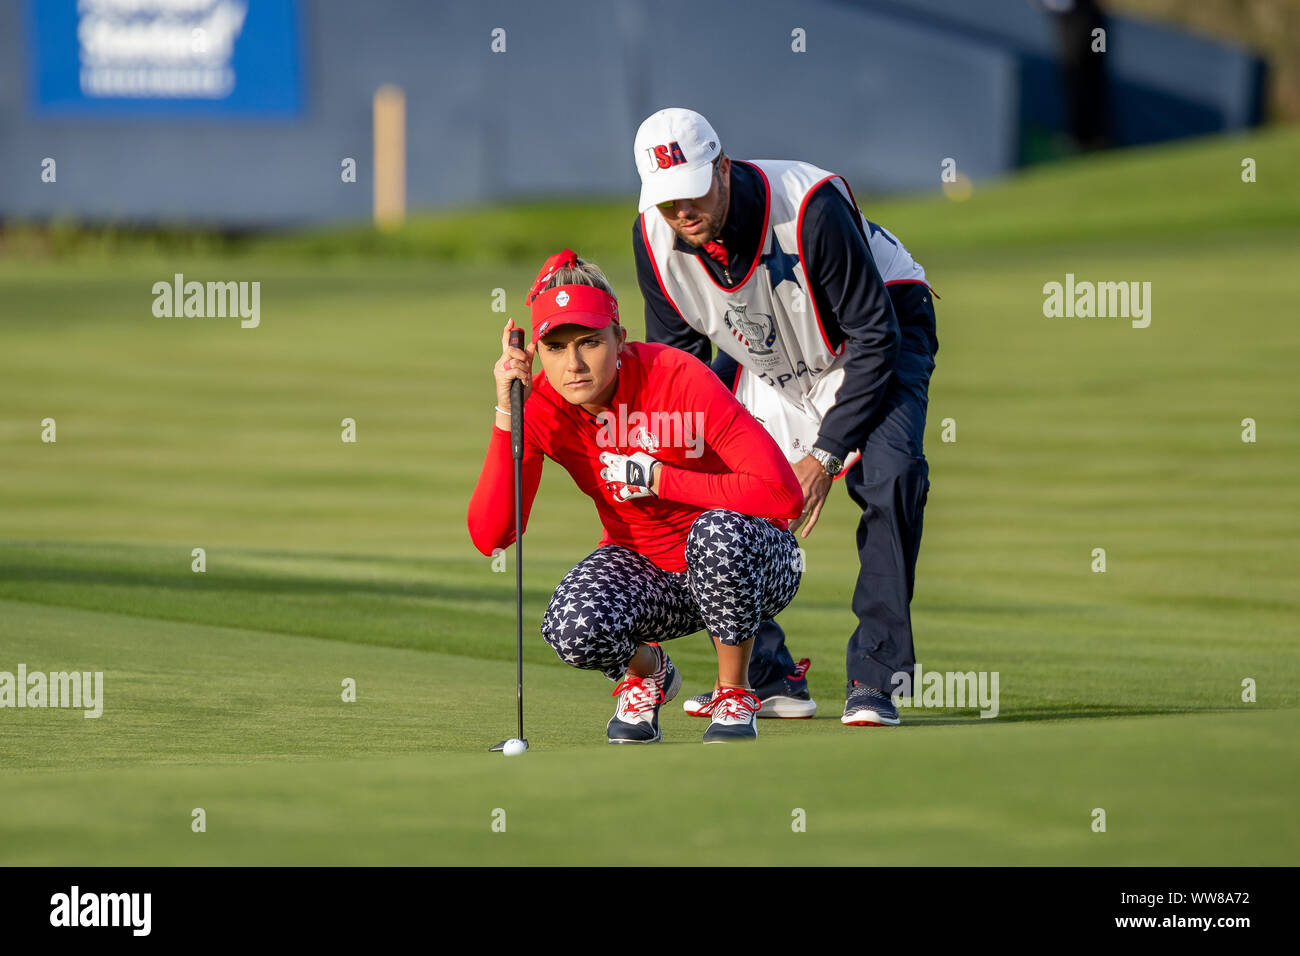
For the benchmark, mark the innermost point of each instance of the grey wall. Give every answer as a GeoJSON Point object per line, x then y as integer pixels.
{"type": "Point", "coordinates": [880, 101]}
{"type": "Point", "coordinates": [881, 95]}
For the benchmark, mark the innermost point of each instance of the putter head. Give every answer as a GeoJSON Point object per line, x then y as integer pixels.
{"type": "Point", "coordinates": [499, 748]}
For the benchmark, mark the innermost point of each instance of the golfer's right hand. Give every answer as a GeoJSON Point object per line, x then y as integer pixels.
{"type": "Point", "coordinates": [513, 364]}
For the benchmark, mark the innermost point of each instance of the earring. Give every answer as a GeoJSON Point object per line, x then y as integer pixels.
{"type": "Point", "coordinates": [618, 364]}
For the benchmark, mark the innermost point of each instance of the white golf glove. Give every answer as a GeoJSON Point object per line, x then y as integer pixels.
{"type": "Point", "coordinates": [631, 473]}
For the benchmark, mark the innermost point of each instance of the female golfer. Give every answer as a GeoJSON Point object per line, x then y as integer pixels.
{"type": "Point", "coordinates": [695, 498]}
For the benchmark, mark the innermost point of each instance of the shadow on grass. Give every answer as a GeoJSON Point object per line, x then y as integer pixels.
{"type": "Point", "coordinates": [211, 582]}
{"type": "Point", "coordinates": [1047, 713]}
{"type": "Point", "coordinates": [428, 614]}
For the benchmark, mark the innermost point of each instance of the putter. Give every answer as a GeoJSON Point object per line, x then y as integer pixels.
{"type": "Point", "coordinates": [517, 447]}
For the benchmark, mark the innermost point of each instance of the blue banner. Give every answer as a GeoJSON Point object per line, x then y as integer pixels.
{"type": "Point", "coordinates": [165, 57]}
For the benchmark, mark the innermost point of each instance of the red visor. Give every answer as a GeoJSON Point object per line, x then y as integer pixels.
{"type": "Point", "coordinates": [572, 305]}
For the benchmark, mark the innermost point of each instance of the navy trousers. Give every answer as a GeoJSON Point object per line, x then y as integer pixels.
{"type": "Point", "coordinates": [890, 483]}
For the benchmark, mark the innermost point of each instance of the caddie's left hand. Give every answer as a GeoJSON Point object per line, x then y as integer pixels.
{"type": "Point", "coordinates": [631, 473]}
{"type": "Point", "coordinates": [815, 484]}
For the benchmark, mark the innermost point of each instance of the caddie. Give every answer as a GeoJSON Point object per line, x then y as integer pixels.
{"type": "Point", "coordinates": [826, 333]}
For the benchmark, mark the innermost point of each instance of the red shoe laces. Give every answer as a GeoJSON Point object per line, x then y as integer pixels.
{"type": "Point", "coordinates": [728, 703]}
{"type": "Point", "coordinates": [640, 698]}
{"type": "Point", "coordinates": [800, 669]}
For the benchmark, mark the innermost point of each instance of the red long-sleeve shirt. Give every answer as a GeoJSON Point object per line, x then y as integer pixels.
{"type": "Point", "coordinates": [714, 455]}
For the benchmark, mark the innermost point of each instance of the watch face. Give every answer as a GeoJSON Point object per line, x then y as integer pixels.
{"type": "Point", "coordinates": [829, 461]}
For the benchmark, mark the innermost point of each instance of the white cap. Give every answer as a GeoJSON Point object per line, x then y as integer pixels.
{"type": "Point", "coordinates": [675, 149]}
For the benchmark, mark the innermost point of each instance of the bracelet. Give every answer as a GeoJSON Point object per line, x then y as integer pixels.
{"type": "Point", "coordinates": [501, 410]}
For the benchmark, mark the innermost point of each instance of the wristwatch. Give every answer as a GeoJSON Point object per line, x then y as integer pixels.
{"type": "Point", "coordinates": [828, 461]}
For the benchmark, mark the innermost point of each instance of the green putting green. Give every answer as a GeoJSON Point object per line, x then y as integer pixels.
{"type": "Point", "coordinates": [328, 561]}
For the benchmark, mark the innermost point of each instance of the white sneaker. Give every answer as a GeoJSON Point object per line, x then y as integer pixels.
{"type": "Point", "coordinates": [636, 716]}
{"type": "Point", "coordinates": [784, 697]}
{"type": "Point", "coordinates": [733, 711]}
{"type": "Point", "coordinates": [698, 706]}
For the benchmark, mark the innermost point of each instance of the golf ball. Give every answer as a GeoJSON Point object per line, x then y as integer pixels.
{"type": "Point", "coordinates": [514, 746]}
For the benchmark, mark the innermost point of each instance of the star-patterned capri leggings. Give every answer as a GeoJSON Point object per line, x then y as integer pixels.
{"type": "Point", "coordinates": [740, 571]}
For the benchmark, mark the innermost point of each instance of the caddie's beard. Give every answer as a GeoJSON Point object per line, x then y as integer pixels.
{"type": "Point", "coordinates": [698, 240]}
{"type": "Point", "coordinates": [712, 226]}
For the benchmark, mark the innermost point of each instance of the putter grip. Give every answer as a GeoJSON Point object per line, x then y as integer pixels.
{"type": "Point", "coordinates": [517, 402]}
